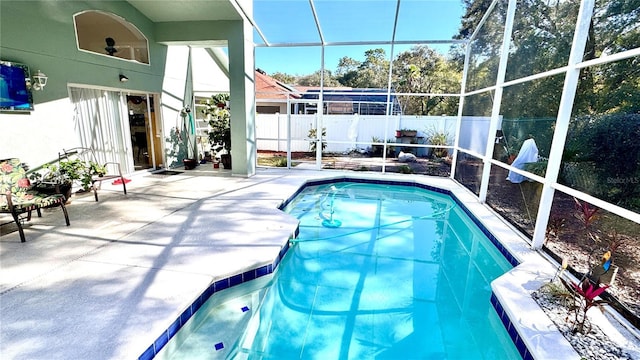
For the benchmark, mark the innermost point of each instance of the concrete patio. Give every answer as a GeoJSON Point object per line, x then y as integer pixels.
{"type": "Point", "coordinates": [108, 285]}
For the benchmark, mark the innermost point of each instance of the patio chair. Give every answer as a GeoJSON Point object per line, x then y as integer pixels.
{"type": "Point", "coordinates": [113, 170]}
{"type": "Point", "coordinates": [20, 197]}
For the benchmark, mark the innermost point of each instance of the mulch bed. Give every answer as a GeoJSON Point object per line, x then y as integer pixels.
{"type": "Point", "coordinates": [517, 203]}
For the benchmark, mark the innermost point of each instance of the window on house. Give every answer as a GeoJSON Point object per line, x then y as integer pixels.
{"type": "Point", "coordinates": [265, 109]}
{"type": "Point", "coordinates": [110, 35]}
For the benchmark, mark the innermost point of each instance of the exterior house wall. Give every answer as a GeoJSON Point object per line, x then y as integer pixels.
{"type": "Point", "coordinates": [41, 35]}
{"type": "Point", "coordinates": [281, 106]}
{"type": "Point", "coordinates": [239, 37]}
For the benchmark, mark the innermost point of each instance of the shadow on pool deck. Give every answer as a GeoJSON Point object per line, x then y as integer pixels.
{"type": "Point", "coordinates": [109, 284]}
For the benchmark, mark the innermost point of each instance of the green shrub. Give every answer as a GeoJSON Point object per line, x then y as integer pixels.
{"type": "Point", "coordinates": [405, 169]}
{"type": "Point", "coordinates": [438, 137]}
{"type": "Point", "coordinates": [608, 146]}
{"type": "Point", "coordinates": [281, 161]}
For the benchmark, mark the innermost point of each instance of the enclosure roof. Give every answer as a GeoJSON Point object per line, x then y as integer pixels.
{"type": "Point", "coordinates": [322, 22]}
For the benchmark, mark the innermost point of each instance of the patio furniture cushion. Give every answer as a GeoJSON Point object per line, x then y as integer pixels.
{"type": "Point", "coordinates": [20, 197]}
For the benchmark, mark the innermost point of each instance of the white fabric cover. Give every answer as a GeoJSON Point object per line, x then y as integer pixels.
{"type": "Point", "coordinates": [406, 157]}
{"type": "Point", "coordinates": [528, 153]}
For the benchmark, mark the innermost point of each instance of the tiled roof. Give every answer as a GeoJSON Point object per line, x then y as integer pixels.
{"type": "Point", "coordinates": [270, 88]}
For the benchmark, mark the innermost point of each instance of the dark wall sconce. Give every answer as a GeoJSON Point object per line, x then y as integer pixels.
{"type": "Point", "coordinates": [111, 48]}
{"type": "Point", "coordinates": [123, 78]}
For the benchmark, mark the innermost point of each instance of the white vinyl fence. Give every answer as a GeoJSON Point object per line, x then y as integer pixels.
{"type": "Point", "coordinates": [351, 132]}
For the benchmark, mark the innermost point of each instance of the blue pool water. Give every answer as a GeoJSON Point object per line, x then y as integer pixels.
{"type": "Point", "coordinates": [377, 271]}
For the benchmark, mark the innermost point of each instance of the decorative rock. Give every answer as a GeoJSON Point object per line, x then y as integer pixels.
{"type": "Point", "coordinates": [592, 346]}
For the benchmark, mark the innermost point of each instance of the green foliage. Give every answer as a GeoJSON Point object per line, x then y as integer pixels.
{"type": "Point", "coordinates": [373, 72]}
{"type": "Point", "coordinates": [438, 137]}
{"type": "Point", "coordinates": [517, 130]}
{"type": "Point", "coordinates": [284, 78]}
{"type": "Point", "coordinates": [391, 149]}
{"type": "Point", "coordinates": [423, 70]}
{"type": "Point", "coordinates": [405, 169]}
{"type": "Point", "coordinates": [314, 79]}
{"type": "Point", "coordinates": [610, 143]}
{"type": "Point", "coordinates": [312, 139]}
{"type": "Point", "coordinates": [176, 150]}
{"type": "Point", "coordinates": [539, 168]}
{"type": "Point", "coordinates": [541, 41]}
{"type": "Point", "coordinates": [557, 290]}
{"type": "Point", "coordinates": [68, 171]}
{"type": "Point", "coordinates": [280, 161]}
{"type": "Point", "coordinates": [219, 121]}
{"type": "Point", "coordinates": [376, 150]}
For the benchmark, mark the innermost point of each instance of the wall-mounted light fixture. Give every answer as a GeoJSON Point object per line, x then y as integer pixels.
{"type": "Point", "coordinates": [39, 80]}
{"type": "Point", "coordinates": [123, 78]}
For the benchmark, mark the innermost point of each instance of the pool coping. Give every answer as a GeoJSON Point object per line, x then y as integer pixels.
{"type": "Point", "coordinates": [533, 333]}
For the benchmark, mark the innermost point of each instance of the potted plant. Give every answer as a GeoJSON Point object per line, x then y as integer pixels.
{"type": "Point", "coordinates": [391, 149]}
{"type": "Point", "coordinates": [436, 137]}
{"type": "Point", "coordinates": [406, 133]}
{"type": "Point", "coordinates": [217, 109]}
{"type": "Point", "coordinates": [376, 149]}
{"type": "Point", "coordinates": [59, 176]}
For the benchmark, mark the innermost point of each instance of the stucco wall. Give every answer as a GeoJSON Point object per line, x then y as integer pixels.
{"type": "Point", "coordinates": [41, 35]}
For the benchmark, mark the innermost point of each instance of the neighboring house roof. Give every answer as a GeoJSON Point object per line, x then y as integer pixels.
{"type": "Point", "coordinates": [342, 99]}
{"type": "Point", "coordinates": [270, 88]}
{"type": "Point", "coordinates": [305, 89]}
{"type": "Point", "coordinates": [363, 101]}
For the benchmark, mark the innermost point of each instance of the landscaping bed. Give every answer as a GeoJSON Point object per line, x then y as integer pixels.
{"type": "Point", "coordinates": [517, 204]}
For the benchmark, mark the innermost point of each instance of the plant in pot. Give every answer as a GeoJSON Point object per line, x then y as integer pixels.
{"type": "Point", "coordinates": [59, 177]}
{"type": "Point", "coordinates": [376, 149]}
{"type": "Point", "coordinates": [406, 133]}
{"type": "Point", "coordinates": [391, 149]}
{"type": "Point", "coordinates": [438, 137]}
{"type": "Point", "coordinates": [217, 109]}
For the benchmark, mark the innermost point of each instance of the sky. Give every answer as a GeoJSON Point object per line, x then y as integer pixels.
{"type": "Point", "coordinates": [292, 22]}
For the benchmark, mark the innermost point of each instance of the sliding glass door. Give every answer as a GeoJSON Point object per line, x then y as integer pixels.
{"type": "Point", "coordinates": [119, 127]}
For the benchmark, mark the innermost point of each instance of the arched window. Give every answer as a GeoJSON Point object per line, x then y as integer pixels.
{"type": "Point", "coordinates": [110, 35]}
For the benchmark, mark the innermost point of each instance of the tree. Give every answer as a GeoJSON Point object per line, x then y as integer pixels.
{"type": "Point", "coordinates": [284, 78]}
{"type": "Point", "coordinates": [541, 40]}
{"type": "Point", "coordinates": [314, 79]}
{"type": "Point", "coordinates": [373, 72]}
{"type": "Point", "coordinates": [345, 65]}
{"type": "Point", "coordinates": [423, 70]}
{"type": "Point", "coordinates": [615, 87]}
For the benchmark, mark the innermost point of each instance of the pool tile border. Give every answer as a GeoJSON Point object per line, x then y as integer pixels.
{"type": "Point", "coordinates": [219, 285]}
{"type": "Point", "coordinates": [253, 274]}
{"type": "Point", "coordinates": [511, 329]}
{"type": "Point", "coordinates": [215, 287]}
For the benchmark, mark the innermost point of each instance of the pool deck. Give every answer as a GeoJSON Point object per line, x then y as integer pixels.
{"type": "Point", "coordinates": [108, 285]}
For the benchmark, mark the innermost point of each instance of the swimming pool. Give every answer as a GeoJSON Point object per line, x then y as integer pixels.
{"type": "Point", "coordinates": [379, 271]}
